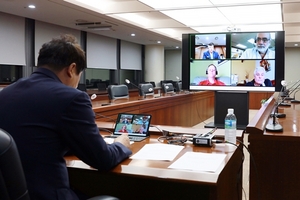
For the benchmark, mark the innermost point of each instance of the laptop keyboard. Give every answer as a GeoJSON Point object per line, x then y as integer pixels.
{"type": "Point", "coordinates": [136, 139]}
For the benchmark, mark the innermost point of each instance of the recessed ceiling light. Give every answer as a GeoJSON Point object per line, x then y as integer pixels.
{"type": "Point", "coordinates": [31, 6]}
{"type": "Point", "coordinates": [132, 34]}
{"type": "Point", "coordinates": [295, 45]}
{"type": "Point", "coordinates": [158, 42]}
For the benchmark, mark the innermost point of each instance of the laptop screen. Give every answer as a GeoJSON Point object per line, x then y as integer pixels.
{"type": "Point", "coordinates": [133, 124]}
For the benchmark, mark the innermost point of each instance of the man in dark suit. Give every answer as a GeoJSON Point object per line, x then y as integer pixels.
{"type": "Point", "coordinates": [47, 116]}
{"type": "Point", "coordinates": [211, 53]}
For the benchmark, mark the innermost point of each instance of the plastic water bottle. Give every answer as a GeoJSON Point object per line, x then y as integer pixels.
{"type": "Point", "coordinates": [230, 126]}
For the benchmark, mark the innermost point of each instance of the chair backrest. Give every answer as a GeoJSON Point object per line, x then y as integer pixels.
{"type": "Point", "coordinates": [153, 83]}
{"type": "Point", "coordinates": [168, 88]}
{"type": "Point", "coordinates": [82, 87]}
{"type": "Point", "coordinates": [12, 180]}
{"type": "Point", "coordinates": [178, 86]}
{"type": "Point", "coordinates": [117, 91]}
{"type": "Point", "coordinates": [146, 89]}
{"type": "Point", "coordinates": [101, 86]}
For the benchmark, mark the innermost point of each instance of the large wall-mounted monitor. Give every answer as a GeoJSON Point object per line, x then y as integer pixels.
{"type": "Point", "coordinates": [246, 61]}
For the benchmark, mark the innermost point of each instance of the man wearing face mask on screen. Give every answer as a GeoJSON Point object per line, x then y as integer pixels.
{"type": "Point", "coordinates": [261, 49]}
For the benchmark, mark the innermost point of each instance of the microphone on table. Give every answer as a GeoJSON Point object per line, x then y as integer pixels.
{"type": "Point", "coordinates": [284, 93]}
{"type": "Point", "coordinates": [94, 96]}
{"type": "Point", "coordinates": [141, 93]}
{"type": "Point", "coordinates": [294, 99]}
{"type": "Point", "coordinates": [288, 92]}
{"type": "Point", "coordinates": [276, 127]}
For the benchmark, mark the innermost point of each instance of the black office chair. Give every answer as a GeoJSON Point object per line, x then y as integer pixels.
{"type": "Point", "coordinates": [101, 86]}
{"type": "Point", "coordinates": [178, 86]}
{"type": "Point", "coordinates": [168, 88]}
{"type": "Point", "coordinates": [82, 87]}
{"type": "Point", "coordinates": [145, 89]}
{"type": "Point", "coordinates": [153, 83]}
{"type": "Point", "coordinates": [117, 92]}
{"type": "Point", "coordinates": [12, 179]}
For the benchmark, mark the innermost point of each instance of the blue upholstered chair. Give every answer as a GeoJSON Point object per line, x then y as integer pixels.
{"type": "Point", "coordinates": [117, 92]}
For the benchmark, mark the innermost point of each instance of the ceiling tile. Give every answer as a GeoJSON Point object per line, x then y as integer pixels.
{"type": "Point", "coordinates": [198, 17]}
{"type": "Point", "coordinates": [256, 14]}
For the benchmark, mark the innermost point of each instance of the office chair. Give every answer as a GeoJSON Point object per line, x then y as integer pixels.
{"type": "Point", "coordinates": [168, 88]}
{"type": "Point", "coordinates": [145, 89]}
{"type": "Point", "coordinates": [117, 92]}
{"type": "Point", "coordinates": [82, 87]}
{"type": "Point", "coordinates": [101, 86]}
{"type": "Point", "coordinates": [153, 83]}
{"type": "Point", "coordinates": [178, 86]}
{"type": "Point", "coordinates": [12, 179]}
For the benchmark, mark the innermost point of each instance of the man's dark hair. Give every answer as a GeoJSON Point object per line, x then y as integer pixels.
{"type": "Point", "coordinates": [61, 52]}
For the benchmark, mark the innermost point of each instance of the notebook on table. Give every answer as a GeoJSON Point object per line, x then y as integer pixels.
{"type": "Point", "coordinates": [136, 125]}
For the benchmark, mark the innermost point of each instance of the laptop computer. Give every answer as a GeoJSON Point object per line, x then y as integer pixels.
{"type": "Point", "coordinates": [136, 125]}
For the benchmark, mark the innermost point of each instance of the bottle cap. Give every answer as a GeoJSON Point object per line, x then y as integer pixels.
{"type": "Point", "coordinates": [230, 110]}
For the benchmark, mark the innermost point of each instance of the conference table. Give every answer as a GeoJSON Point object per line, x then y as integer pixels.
{"type": "Point", "coordinates": [152, 179]}
{"type": "Point", "coordinates": [274, 164]}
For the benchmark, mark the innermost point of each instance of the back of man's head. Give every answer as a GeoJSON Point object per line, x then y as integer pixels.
{"type": "Point", "coordinates": [61, 52]}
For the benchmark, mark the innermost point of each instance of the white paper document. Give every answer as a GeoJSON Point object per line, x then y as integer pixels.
{"type": "Point", "coordinates": [209, 162]}
{"type": "Point", "coordinates": [158, 152]}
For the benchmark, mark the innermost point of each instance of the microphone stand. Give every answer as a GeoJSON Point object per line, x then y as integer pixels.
{"type": "Point", "coordinates": [286, 94]}
{"type": "Point", "coordinates": [276, 114]}
{"type": "Point", "coordinates": [294, 100]}
{"type": "Point", "coordinates": [143, 95]}
{"type": "Point", "coordinates": [276, 127]}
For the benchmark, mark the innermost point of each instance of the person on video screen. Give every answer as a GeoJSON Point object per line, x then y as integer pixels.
{"type": "Point", "coordinates": [259, 78]}
{"type": "Point", "coordinates": [211, 72]}
{"type": "Point", "coordinates": [211, 53]}
{"type": "Point", "coordinates": [123, 129]}
{"type": "Point", "coordinates": [261, 49]}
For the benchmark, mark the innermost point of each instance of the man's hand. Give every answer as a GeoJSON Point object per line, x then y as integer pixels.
{"type": "Point", "coordinates": [123, 139]}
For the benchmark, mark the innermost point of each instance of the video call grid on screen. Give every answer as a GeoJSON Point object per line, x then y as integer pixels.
{"type": "Point", "coordinates": [231, 46]}
{"type": "Point", "coordinates": [136, 124]}
{"type": "Point", "coordinates": [237, 43]}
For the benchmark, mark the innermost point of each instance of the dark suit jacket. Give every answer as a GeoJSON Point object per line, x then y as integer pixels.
{"type": "Point", "coordinates": [267, 82]}
{"type": "Point", "coordinates": [206, 55]}
{"type": "Point", "coordinates": [47, 118]}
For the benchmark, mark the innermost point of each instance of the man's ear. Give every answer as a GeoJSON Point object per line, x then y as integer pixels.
{"type": "Point", "coordinates": [71, 70]}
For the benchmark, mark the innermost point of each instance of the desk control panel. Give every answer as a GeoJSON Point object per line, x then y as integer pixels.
{"type": "Point", "coordinates": [203, 139]}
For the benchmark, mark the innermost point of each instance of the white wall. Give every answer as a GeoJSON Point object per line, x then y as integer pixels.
{"type": "Point", "coordinates": [172, 64]}
{"type": "Point", "coordinates": [154, 63]}
{"type": "Point", "coordinates": [292, 66]}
